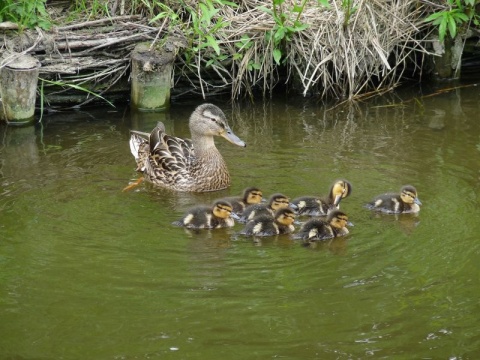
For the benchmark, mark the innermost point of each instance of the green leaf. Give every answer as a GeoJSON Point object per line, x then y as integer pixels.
{"type": "Point", "coordinates": [264, 9]}
{"type": "Point", "coordinates": [442, 29]}
{"type": "Point", "coordinates": [277, 56]}
{"type": "Point", "coordinates": [297, 8]}
{"type": "Point", "coordinates": [76, 87]}
{"type": "Point", "coordinates": [434, 16]}
{"type": "Point", "coordinates": [158, 17]}
{"type": "Point", "coordinates": [324, 3]}
{"type": "Point", "coordinates": [255, 65]}
{"type": "Point", "coordinates": [452, 27]}
{"type": "Point", "coordinates": [461, 17]}
{"type": "Point", "coordinates": [298, 26]}
{"type": "Point", "coordinates": [213, 43]}
{"type": "Point", "coordinates": [279, 34]}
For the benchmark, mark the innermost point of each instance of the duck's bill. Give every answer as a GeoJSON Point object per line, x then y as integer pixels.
{"type": "Point", "coordinates": [338, 198]}
{"type": "Point", "coordinates": [293, 206]}
{"type": "Point", "coordinates": [235, 216]}
{"type": "Point", "coordinates": [234, 139]}
{"type": "Point", "coordinates": [417, 201]}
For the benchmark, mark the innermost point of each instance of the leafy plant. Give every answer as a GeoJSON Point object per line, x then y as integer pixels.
{"type": "Point", "coordinates": [285, 27]}
{"type": "Point", "coordinates": [347, 5]}
{"type": "Point", "coordinates": [26, 14]}
{"type": "Point", "coordinates": [456, 13]}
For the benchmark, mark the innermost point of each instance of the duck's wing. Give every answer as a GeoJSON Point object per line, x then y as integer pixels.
{"type": "Point", "coordinates": [169, 158]}
{"type": "Point", "coordinates": [170, 152]}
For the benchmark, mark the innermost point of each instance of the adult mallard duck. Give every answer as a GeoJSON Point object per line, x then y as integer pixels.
{"type": "Point", "coordinates": [184, 164]}
{"type": "Point", "coordinates": [316, 229]}
{"type": "Point", "coordinates": [208, 217]}
{"type": "Point", "coordinates": [316, 206]}
{"type": "Point", "coordinates": [266, 225]}
{"type": "Point", "coordinates": [405, 202]}
{"type": "Point", "coordinates": [275, 202]}
{"type": "Point", "coordinates": [251, 195]}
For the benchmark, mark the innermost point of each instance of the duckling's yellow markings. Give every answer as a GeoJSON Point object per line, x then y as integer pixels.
{"type": "Point", "coordinates": [133, 184]}
{"type": "Point", "coordinates": [254, 197]}
{"type": "Point", "coordinates": [222, 211]}
{"type": "Point", "coordinates": [408, 197]}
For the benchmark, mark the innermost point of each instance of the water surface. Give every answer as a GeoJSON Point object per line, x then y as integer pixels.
{"type": "Point", "coordinates": [88, 271]}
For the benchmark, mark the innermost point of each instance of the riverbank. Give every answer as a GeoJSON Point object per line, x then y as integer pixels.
{"type": "Point", "coordinates": [327, 49]}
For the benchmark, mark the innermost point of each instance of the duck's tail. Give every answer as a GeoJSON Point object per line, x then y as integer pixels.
{"type": "Point", "coordinates": [139, 148]}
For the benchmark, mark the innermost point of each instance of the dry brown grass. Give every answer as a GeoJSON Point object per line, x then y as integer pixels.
{"type": "Point", "coordinates": [332, 57]}
{"type": "Point", "coordinates": [337, 55]}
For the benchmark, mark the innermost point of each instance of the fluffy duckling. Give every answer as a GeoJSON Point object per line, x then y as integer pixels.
{"type": "Point", "coordinates": [266, 225]}
{"type": "Point", "coordinates": [276, 201]}
{"type": "Point", "coordinates": [250, 196]}
{"type": "Point", "coordinates": [315, 206]}
{"type": "Point", "coordinates": [206, 217]}
{"type": "Point", "coordinates": [316, 229]}
{"type": "Point", "coordinates": [405, 202]}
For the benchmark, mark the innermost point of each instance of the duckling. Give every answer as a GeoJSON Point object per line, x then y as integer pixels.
{"type": "Point", "coordinates": [206, 217]}
{"type": "Point", "coordinates": [276, 201]}
{"type": "Point", "coordinates": [405, 202]}
{"type": "Point", "coordinates": [184, 164]}
{"type": "Point", "coordinates": [250, 196]}
{"type": "Point", "coordinates": [316, 229]}
{"type": "Point", "coordinates": [267, 225]}
{"type": "Point", "coordinates": [315, 206]}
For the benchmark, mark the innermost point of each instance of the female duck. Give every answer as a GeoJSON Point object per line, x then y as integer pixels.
{"type": "Point", "coordinates": [315, 206]}
{"type": "Point", "coordinates": [276, 201]}
{"type": "Point", "coordinates": [205, 217]}
{"type": "Point", "coordinates": [266, 225]}
{"type": "Point", "coordinates": [316, 229]}
{"type": "Point", "coordinates": [250, 196]}
{"type": "Point", "coordinates": [184, 164]}
{"type": "Point", "coordinates": [405, 202]}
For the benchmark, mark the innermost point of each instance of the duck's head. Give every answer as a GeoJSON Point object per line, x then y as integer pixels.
{"type": "Point", "coordinates": [209, 120]}
{"type": "Point", "coordinates": [409, 195]}
{"type": "Point", "coordinates": [222, 209]}
{"type": "Point", "coordinates": [285, 216]}
{"type": "Point", "coordinates": [278, 201]}
{"type": "Point", "coordinates": [338, 219]}
{"type": "Point", "coordinates": [252, 195]}
{"type": "Point", "coordinates": [340, 190]}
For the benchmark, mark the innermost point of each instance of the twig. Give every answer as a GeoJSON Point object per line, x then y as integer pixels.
{"type": "Point", "coordinates": [98, 22]}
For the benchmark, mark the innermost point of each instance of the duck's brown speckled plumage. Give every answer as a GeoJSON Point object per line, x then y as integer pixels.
{"type": "Point", "coordinates": [184, 164]}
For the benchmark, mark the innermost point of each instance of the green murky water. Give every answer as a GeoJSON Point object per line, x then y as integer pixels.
{"type": "Point", "coordinates": [90, 272]}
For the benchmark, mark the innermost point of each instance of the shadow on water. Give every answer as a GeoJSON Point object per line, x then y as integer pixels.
{"type": "Point", "coordinates": [90, 271]}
